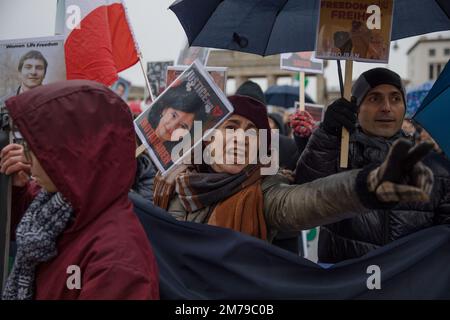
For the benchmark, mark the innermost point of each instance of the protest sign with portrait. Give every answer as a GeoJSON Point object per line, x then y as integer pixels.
{"type": "Point", "coordinates": [122, 88]}
{"type": "Point", "coordinates": [193, 98]}
{"type": "Point", "coordinates": [28, 63]}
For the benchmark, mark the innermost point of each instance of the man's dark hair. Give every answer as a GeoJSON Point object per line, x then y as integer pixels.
{"type": "Point", "coordinates": [33, 54]}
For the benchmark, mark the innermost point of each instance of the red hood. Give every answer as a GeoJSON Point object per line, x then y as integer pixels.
{"type": "Point", "coordinates": [83, 135]}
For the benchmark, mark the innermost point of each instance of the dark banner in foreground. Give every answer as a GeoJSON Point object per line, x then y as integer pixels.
{"type": "Point", "coordinates": [205, 262]}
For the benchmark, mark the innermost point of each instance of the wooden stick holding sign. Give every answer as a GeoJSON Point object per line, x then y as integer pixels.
{"type": "Point", "coordinates": [345, 137]}
{"type": "Point", "coordinates": [302, 91]}
{"type": "Point", "coordinates": [140, 150]}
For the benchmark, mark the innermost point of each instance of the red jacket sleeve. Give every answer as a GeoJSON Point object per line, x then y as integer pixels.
{"type": "Point", "coordinates": [118, 282]}
{"type": "Point", "coordinates": [21, 200]}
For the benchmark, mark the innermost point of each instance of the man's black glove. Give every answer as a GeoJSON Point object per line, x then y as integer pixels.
{"type": "Point", "coordinates": [341, 113]}
{"type": "Point", "coordinates": [402, 177]}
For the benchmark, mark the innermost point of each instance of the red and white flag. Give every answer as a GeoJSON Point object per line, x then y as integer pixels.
{"type": "Point", "coordinates": [103, 44]}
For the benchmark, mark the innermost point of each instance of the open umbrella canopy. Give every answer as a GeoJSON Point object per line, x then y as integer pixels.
{"type": "Point", "coordinates": [434, 113]}
{"type": "Point", "coordinates": [267, 27]}
{"type": "Point", "coordinates": [445, 5]}
{"type": "Point", "coordinates": [284, 96]}
{"type": "Point", "coordinates": [415, 96]}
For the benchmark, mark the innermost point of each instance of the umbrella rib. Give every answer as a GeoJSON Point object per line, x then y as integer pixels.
{"type": "Point", "coordinates": [271, 29]}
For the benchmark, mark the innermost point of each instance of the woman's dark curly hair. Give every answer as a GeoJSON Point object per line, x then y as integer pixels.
{"type": "Point", "coordinates": [179, 99]}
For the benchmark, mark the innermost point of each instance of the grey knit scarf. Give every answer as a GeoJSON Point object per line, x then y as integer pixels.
{"type": "Point", "coordinates": [36, 235]}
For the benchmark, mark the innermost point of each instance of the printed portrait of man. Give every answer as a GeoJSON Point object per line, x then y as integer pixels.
{"type": "Point", "coordinates": [32, 69]}
{"type": "Point", "coordinates": [31, 72]}
{"type": "Point", "coordinates": [120, 90]}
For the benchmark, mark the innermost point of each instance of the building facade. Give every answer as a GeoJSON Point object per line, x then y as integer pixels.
{"type": "Point", "coordinates": [263, 70]}
{"type": "Point", "coordinates": [426, 59]}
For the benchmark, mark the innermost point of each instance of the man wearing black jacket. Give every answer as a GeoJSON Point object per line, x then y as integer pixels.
{"type": "Point", "coordinates": [374, 118]}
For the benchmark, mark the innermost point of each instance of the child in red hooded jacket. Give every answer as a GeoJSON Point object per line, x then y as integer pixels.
{"type": "Point", "coordinates": [78, 237]}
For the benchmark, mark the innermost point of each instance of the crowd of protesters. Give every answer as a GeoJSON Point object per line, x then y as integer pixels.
{"type": "Point", "coordinates": [74, 164]}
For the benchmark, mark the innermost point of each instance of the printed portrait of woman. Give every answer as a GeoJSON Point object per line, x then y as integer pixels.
{"type": "Point", "coordinates": [177, 109]}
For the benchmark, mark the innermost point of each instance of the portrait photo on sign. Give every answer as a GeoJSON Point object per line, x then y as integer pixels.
{"type": "Point", "coordinates": [122, 88]}
{"type": "Point", "coordinates": [29, 63]}
{"type": "Point", "coordinates": [167, 127]}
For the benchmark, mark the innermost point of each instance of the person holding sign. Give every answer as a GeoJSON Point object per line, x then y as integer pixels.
{"type": "Point", "coordinates": [77, 235]}
{"type": "Point", "coordinates": [237, 196]}
{"type": "Point", "coordinates": [288, 154]}
{"type": "Point", "coordinates": [374, 118]}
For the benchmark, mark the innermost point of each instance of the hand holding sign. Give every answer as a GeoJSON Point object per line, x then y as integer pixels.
{"type": "Point", "coordinates": [340, 114]}
{"type": "Point", "coordinates": [13, 162]}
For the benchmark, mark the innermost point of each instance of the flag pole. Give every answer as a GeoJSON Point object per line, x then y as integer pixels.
{"type": "Point", "coordinates": [141, 148]}
{"type": "Point", "coordinates": [147, 82]}
{"type": "Point", "coordinates": [138, 49]}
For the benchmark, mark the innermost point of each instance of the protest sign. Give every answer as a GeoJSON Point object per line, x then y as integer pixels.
{"type": "Point", "coordinates": [122, 88]}
{"type": "Point", "coordinates": [156, 74]}
{"type": "Point", "coordinates": [29, 63]}
{"type": "Point", "coordinates": [218, 74]}
{"type": "Point", "coordinates": [192, 97]}
{"type": "Point", "coordinates": [189, 54]}
{"type": "Point", "coordinates": [301, 62]}
{"type": "Point", "coordinates": [358, 30]}
{"type": "Point", "coordinates": [315, 110]}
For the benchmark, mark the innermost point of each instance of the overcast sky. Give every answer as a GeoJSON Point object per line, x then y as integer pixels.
{"type": "Point", "coordinates": [157, 30]}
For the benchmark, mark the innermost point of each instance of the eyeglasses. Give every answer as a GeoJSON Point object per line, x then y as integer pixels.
{"type": "Point", "coordinates": [17, 138]}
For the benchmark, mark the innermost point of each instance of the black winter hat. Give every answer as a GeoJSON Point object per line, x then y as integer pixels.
{"type": "Point", "coordinates": [252, 90]}
{"type": "Point", "coordinates": [375, 77]}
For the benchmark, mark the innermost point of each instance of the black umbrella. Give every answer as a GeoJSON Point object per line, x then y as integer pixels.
{"type": "Point", "coordinates": [445, 5]}
{"type": "Point", "coordinates": [267, 27]}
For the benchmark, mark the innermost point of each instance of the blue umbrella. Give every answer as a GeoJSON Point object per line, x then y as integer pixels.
{"type": "Point", "coordinates": [434, 113]}
{"type": "Point", "coordinates": [415, 96]}
{"type": "Point", "coordinates": [267, 27]}
{"type": "Point", "coordinates": [284, 96]}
